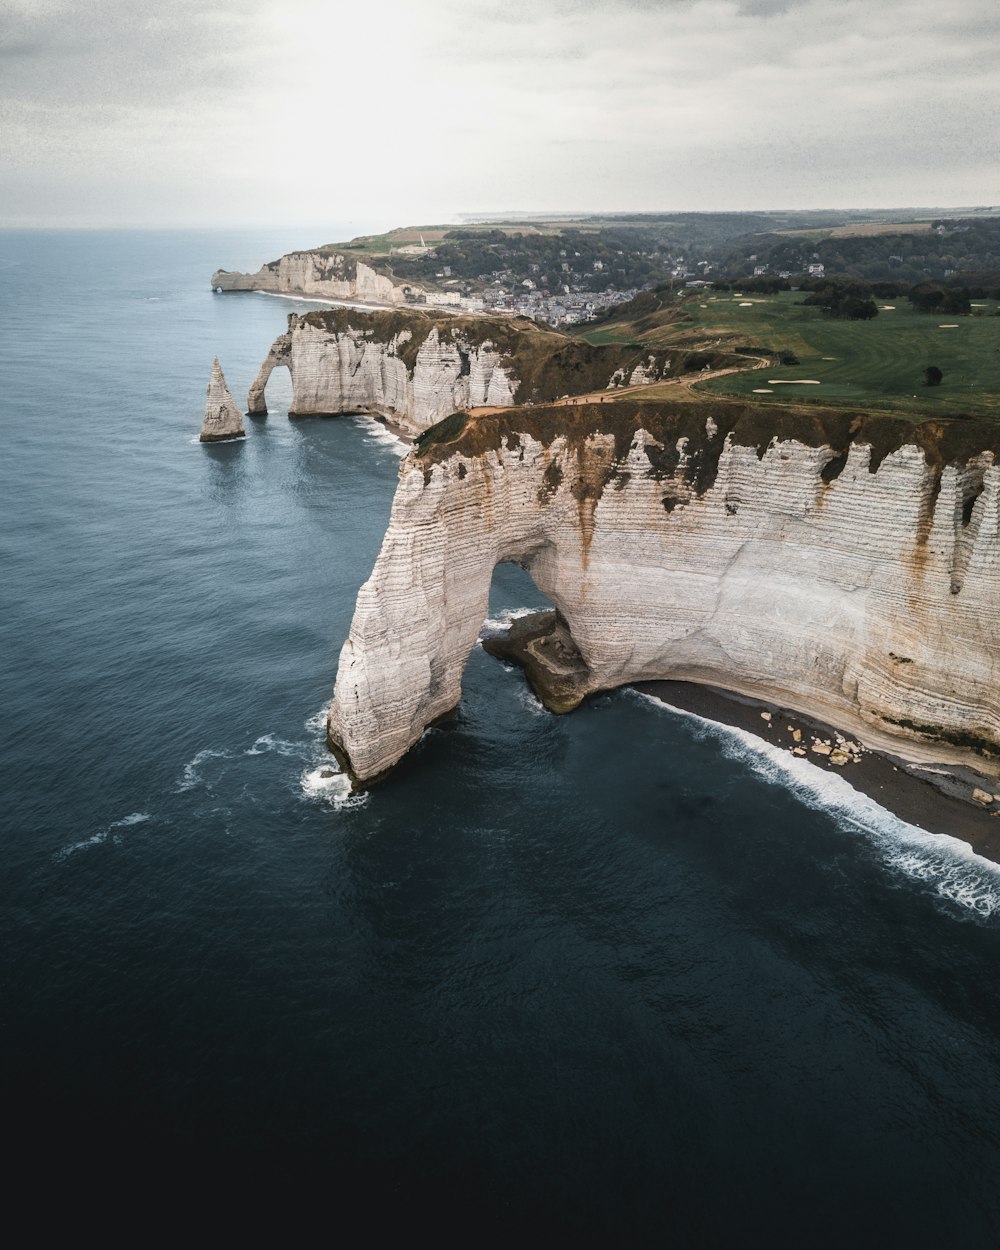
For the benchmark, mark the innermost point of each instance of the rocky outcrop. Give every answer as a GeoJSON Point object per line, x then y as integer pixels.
{"type": "Point", "coordinates": [330, 275]}
{"type": "Point", "coordinates": [417, 367]}
{"type": "Point", "coordinates": [844, 567]}
{"type": "Point", "coordinates": [222, 418]}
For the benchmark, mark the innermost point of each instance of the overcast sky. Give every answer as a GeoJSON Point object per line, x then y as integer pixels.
{"type": "Point", "coordinates": [288, 112]}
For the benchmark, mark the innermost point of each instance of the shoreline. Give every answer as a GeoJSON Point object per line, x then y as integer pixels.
{"type": "Point", "coordinates": [932, 801]}
{"type": "Point", "coordinates": [935, 797]}
{"type": "Point", "coordinates": [363, 305]}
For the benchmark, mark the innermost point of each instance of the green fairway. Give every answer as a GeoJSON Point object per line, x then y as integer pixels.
{"type": "Point", "coordinates": [871, 364]}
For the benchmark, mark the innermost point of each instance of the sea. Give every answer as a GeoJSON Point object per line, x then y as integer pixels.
{"type": "Point", "coordinates": [623, 976]}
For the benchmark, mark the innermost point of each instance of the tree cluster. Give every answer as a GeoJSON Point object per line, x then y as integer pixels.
{"type": "Point", "coordinates": [949, 247]}
{"type": "Point", "coordinates": [932, 297]}
{"type": "Point", "coordinates": [844, 299]}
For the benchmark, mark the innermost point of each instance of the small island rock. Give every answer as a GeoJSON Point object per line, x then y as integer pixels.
{"type": "Point", "coordinates": [222, 418]}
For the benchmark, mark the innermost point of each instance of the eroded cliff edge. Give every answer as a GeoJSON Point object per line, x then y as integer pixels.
{"type": "Point", "coordinates": [844, 566]}
{"type": "Point", "coordinates": [330, 275]}
{"type": "Point", "coordinates": [417, 367]}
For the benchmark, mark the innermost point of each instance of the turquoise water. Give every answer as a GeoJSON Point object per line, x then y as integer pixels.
{"type": "Point", "coordinates": [618, 975]}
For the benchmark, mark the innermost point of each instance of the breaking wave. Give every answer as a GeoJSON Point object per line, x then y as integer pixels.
{"type": "Point", "coordinates": [381, 434]}
{"type": "Point", "coordinates": [946, 865]}
{"type": "Point", "coordinates": [331, 786]}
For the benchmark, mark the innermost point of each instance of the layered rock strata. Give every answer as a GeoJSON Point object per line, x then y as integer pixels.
{"type": "Point", "coordinates": [844, 567]}
{"type": "Point", "coordinates": [330, 275]}
{"type": "Point", "coordinates": [416, 367]}
{"type": "Point", "coordinates": [222, 418]}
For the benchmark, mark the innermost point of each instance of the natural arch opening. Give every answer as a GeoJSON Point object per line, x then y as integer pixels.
{"type": "Point", "coordinates": [282, 391]}
{"type": "Point", "coordinates": [526, 628]}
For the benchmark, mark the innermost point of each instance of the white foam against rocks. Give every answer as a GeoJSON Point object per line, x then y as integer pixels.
{"type": "Point", "coordinates": [323, 780]}
{"type": "Point", "coordinates": [947, 865]}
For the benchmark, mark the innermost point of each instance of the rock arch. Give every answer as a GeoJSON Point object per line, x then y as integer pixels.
{"type": "Point", "coordinates": [279, 355]}
{"type": "Point", "coordinates": [671, 549]}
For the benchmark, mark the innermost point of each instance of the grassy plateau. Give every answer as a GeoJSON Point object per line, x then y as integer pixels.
{"type": "Point", "coordinates": [876, 364]}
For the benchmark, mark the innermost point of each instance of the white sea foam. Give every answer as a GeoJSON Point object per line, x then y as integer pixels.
{"type": "Point", "coordinates": [102, 835]}
{"type": "Point", "coordinates": [268, 743]}
{"type": "Point", "coordinates": [324, 781]}
{"type": "Point", "coordinates": [945, 864]}
{"type": "Point", "coordinates": [190, 776]}
{"type": "Point", "coordinates": [527, 698]}
{"type": "Point", "coordinates": [316, 724]}
{"type": "Point", "coordinates": [330, 786]}
{"type": "Point", "coordinates": [378, 433]}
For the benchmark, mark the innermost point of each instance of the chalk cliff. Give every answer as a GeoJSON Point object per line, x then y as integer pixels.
{"type": "Point", "coordinates": [222, 418]}
{"type": "Point", "coordinates": [330, 275]}
{"type": "Point", "coordinates": [845, 567]}
{"type": "Point", "coordinates": [417, 367]}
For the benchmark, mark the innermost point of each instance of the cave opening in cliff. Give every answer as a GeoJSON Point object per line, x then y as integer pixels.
{"type": "Point", "coordinates": [525, 627]}
{"type": "Point", "coordinates": [514, 592]}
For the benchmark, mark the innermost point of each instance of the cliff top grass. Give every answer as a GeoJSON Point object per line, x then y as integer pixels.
{"type": "Point", "coordinates": [875, 365]}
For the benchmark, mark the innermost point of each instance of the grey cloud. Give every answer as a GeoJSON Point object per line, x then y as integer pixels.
{"type": "Point", "coordinates": [117, 49]}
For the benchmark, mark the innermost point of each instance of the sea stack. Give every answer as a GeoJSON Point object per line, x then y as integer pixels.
{"type": "Point", "coordinates": [222, 418]}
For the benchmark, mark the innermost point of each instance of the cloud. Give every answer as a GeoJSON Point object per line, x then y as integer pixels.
{"type": "Point", "coordinates": [243, 107]}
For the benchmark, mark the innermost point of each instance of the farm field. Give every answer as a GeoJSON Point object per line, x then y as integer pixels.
{"type": "Point", "coordinates": [875, 364]}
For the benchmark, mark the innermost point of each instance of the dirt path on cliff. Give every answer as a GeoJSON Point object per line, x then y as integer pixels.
{"type": "Point", "coordinates": [686, 381]}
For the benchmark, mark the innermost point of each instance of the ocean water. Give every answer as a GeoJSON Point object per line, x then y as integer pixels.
{"type": "Point", "coordinates": [618, 975]}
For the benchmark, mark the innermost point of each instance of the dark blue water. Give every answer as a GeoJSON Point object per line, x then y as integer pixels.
{"type": "Point", "coordinates": [617, 975]}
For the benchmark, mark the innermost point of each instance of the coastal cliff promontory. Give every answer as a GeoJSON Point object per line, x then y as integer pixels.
{"type": "Point", "coordinates": [417, 367]}
{"type": "Point", "coordinates": [844, 566]}
{"type": "Point", "coordinates": [318, 273]}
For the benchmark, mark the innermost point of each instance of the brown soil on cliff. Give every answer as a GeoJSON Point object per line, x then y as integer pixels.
{"type": "Point", "coordinates": [746, 424]}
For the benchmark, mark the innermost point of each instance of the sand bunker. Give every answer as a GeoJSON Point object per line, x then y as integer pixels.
{"type": "Point", "coordinates": [793, 382]}
{"type": "Point", "coordinates": [888, 307]}
{"type": "Point", "coordinates": [829, 357]}
{"type": "Point", "coordinates": [746, 304]}
{"type": "Point", "coordinates": [950, 325]}
{"type": "Point", "coordinates": [762, 390]}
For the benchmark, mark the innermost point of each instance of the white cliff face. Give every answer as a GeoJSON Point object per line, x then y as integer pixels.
{"type": "Point", "coordinates": [417, 368]}
{"type": "Point", "coordinates": [222, 418]}
{"type": "Point", "coordinates": [318, 273]}
{"type": "Point", "coordinates": [353, 370]}
{"type": "Point", "coordinates": [870, 600]}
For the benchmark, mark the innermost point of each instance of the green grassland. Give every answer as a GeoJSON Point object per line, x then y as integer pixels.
{"type": "Point", "coordinates": [876, 364]}
{"type": "Point", "coordinates": [381, 244]}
